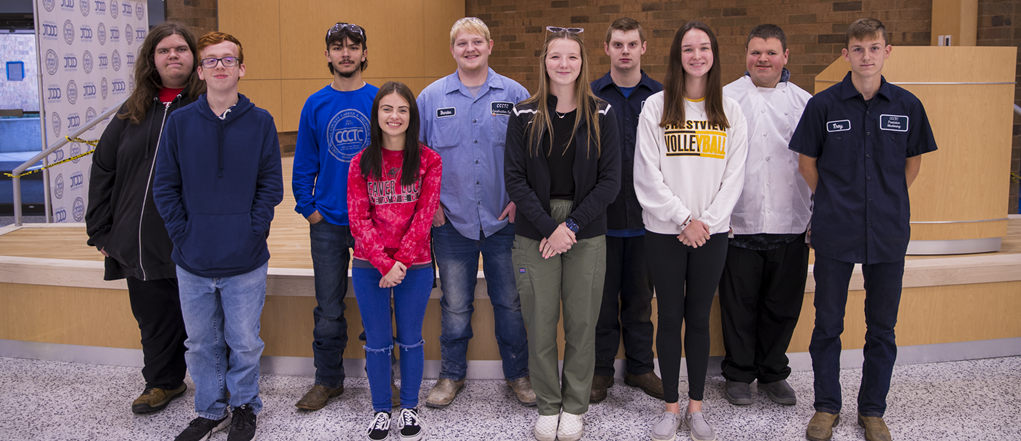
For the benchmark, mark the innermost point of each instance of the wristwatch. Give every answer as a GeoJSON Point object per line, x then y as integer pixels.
{"type": "Point", "coordinates": [572, 225]}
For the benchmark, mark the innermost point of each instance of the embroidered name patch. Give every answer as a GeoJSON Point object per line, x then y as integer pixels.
{"type": "Point", "coordinates": [445, 112]}
{"type": "Point", "coordinates": [893, 123]}
{"type": "Point", "coordinates": [843, 125]}
{"type": "Point", "coordinates": [501, 107]}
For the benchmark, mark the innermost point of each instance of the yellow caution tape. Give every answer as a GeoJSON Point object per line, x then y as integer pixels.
{"type": "Point", "coordinates": [69, 139]}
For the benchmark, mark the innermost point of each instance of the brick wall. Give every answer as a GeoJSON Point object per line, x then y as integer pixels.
{"type": "Point", "coordinates": [998, 25]}
{"type": "Point", "coordinates": [815, 30]}
{"type": "Point", "coordinates": [199, 14]}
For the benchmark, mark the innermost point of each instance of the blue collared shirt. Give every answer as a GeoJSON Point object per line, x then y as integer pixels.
{"type": "Point", "coordinates": [862, 213]}
{"type": "Point", "coordinates": [469, 133]}
{"type": "Point", "coordinates": [624, 215]}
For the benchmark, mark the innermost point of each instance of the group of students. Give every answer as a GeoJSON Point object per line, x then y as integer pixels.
{"type": "Point", "coordinates": [581, 197]}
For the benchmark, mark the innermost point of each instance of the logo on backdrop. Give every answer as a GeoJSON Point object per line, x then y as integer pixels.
{"type": "Point", "coordinates": [126, 9]}
{"type": "Point", "coordinates": [78, 209]}
{"type": "Point", "coordinates": [49, 31]}
{"type": "Point", "coordinates": [115, 59]}
{"type": "Point", "coordinates": [72, 92]}
{"type": "Point", "coordinates": [90, 115]}
{"type": "Point", "coordinates": [58, 155]}
{"type": "Point", "coordinates": [140, 33]}
{"type": "Point", "coordinates": [68, 32]}
{"type": "Point", "coordinates": [129, 34]}
{"type": "Point", "coordinates": [104, 87]}
{"type": "Point", "coordinates": [87, 62]}
{"type": "Point", "coordinates": [104, 61]}
{"type": "Point", "coordinates": [55, 123]}
{"type": "Point", "coordinates": [51, 61]}
{"type": "Point", "coordinates": [77, 179]}
{"type": "Point", "coordinates": [118, 87]}
{"type": "Point", "coordinates": [70, 63]}
{"type": "Point", "coordinates": [139, 11]}
{"type": "Point", "coordinates": [85, 33]}
{"type": "Point", "coordinates": [115, 34]}
{"type": "Point", "coordinates": [113, 8]}
{"type": "Point", "coordinates": [53, 93]}
{"type": "Point", "coordinates": [67, 5]}
{"type": "Point", "coordinates": [101, 30]}
{"type": "Point", "coordinates": [58, 186]}
{"type": "Point", "coordinates": [75, 151]}
{"type": "Point", "coordinates": [73, 122]}
{"type": "Point", "coordinates": [49, 4]}
{"type": "Point", "coordinates": [84, 6]}
{"type": "Point", "coordinates": [100, 7]}
{"type": "Point", "coordinates": [129, 60]}
{"type": "Point", "coordinates": [59, 215]}
{"type": "Point", "coordinates": [89, 92]}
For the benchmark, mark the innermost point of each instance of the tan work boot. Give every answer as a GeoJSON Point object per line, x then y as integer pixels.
{"type": "Point", "coordinates": [875, 428]}
{"type": "Point", "coordinates": [155, 399]}
{"type": "Point", "coordinates": [821, 426]}
{"type": "Point", "coordinates": [648, 383]}
{"type": "Point", "coordinates": [599, 385]}
{"type": "Point", "coordinates": [317, 396]}
{"type": "Point", "coordinates": [443, 393]}
{"type": "Point", "coordinates": [522, 388]}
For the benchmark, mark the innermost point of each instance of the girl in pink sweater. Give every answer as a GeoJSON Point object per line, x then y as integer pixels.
{"type": "Point", "coordinates": [393, 191]}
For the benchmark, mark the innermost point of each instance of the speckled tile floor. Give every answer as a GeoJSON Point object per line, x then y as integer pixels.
{"type": "Point", "coordinates": [969, 400]}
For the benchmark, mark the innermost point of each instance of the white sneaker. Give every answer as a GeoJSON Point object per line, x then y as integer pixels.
{"type": "Point", "coordinates": [665, 428]}
{"type": "Point", "coordinates": [571, 427]}
{"type": "Point", "coordinates": [546, 427]}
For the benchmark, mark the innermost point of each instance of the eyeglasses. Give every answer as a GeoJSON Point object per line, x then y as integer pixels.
{"type": "Point", "coordinates": [210, 63]}
{"type": "Point", "coordinates": [555, 29]}
{"type": "Point", "coordinates": [350, 27]}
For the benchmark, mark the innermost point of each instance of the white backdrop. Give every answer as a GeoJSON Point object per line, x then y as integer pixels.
{"type": "Point", "coordinates": [87, 52]}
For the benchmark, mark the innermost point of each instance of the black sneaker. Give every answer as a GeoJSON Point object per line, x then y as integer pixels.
{"type": "Point", "coordinates": [411, 425]}
{"type": "Point", "coordinates": [380, 427]}
{"type": "Point", "coordinates": [243, 426]}
{"type": "Point", "coordinates": [199, 429]}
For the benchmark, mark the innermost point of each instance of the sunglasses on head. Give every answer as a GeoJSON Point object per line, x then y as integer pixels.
{"type": "Point", "coordinates": [555, 29]}
{"type": "Point", "coordinates": [350, 27]}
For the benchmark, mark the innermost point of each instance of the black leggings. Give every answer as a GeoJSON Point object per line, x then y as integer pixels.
{"type": "Point", "coordinates": [673, 264]}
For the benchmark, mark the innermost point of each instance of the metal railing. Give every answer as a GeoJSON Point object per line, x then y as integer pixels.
{"type": "Point", "coordinates": [16, 180]}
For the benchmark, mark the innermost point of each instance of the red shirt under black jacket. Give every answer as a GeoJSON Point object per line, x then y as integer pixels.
{"type": "Point", "coordinates": [391, 222]}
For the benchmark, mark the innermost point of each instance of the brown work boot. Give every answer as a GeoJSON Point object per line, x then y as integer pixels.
{"type": "Point", "coordinates": [821, 426]}
{"type": "Point", "coordinates": [875, 428]}
{"type": "Point", "coordinates": [522, 388]}
{"type": "Point", "coordinates": [155, 399]}
{"type": "Point", "coordinates": [599, 385]}
{"type": "Point", "coordinates": [443, 393]}
{"type": "Point", "coordinates": [317, 396]}
{"type": "Point", "coordinates": [648, 383]}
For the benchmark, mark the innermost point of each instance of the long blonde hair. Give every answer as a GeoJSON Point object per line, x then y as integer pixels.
{"type": "Point", "coordinates": [588, 103]}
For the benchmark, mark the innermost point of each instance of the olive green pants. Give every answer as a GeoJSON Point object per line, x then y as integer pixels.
{"type": "Point", "coordinates": [573, 281]}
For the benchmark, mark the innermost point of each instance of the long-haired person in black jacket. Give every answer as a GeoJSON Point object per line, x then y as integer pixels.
{"type": "Point", "coordinates": [562, 170]}
{"type": "Point", "coordinates": [122, 220]}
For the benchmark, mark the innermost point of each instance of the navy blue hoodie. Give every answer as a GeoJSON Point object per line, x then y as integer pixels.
{"type": "Point", "coordinates": [217, 182]}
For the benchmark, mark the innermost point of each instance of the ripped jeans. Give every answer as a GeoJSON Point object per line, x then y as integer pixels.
{"type": "Point", "coordinates": [409, 301]}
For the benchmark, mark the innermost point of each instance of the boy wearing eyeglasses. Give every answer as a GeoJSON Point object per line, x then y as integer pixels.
{"type": "Point", "coordinates": [218, 179]}
{"type": "Point", "coordinates": [464, 118]}
{"type": "Point", "coordinates": [333, 128]}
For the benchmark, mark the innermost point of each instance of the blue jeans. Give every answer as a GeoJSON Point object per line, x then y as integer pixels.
{"type": "Point", "coordinates": [882, 300]}
{"type": "Point", "coordinates": [458, 260]}
{"type": "Point", "coordinates": [222, 313]}
{"type": "Point", "coordinates": [409, 301]}
{"type": "Point", "coordinates": [330, 257]}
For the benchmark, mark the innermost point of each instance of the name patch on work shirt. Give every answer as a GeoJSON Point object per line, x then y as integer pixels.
{"type": "Point", "coordinates": [843, 125]}
{"type": "Point", "coordinates": [893, 123]}
{"type": "Point", "coordinates": [501, 107]}
{"type": "Point", "coordinates": [446, 112]}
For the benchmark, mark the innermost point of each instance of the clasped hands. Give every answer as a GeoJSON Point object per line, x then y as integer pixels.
{"type": "Point", "coordinates": [395, 276]}
{"type": "Point", "coordinates": [558, 242]}
{"type": "Point", "coordinates": [695, 234]}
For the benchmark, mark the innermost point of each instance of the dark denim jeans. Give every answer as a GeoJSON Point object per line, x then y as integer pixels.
{"type": "Point", "coordinates": [410, 298]}
{"type": "Point", "coordinates": [330, 257]}
{"type": "Point", "coordinates": [882, 300]}
{"type": "Point", "coordinates": [458, 260]}
{"type": "Point", "coordinates": [628, 279]}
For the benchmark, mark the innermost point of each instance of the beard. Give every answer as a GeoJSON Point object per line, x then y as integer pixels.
{"type": "Point", "coordinates": [346, 74]}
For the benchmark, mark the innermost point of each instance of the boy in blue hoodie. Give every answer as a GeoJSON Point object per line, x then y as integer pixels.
{"type": "Point", "coordinates": [218, 178]}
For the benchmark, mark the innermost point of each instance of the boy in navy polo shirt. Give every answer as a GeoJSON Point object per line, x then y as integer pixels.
{"type": "Point", "coordinates": [861, 143]}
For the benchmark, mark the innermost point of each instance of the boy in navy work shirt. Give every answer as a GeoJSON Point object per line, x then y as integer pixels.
{"type": "Point", "coordinates": [860, 143]}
